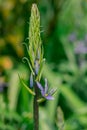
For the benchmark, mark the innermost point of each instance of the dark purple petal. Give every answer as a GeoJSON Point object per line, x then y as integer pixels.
{"type": "Point", "coordinates": [49, 97]}
{"type": "Point", "coordinates": [46, 86]}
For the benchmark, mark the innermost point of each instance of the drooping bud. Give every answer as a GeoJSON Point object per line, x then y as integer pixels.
{"type": "Point", "coordinates": [31, 80]}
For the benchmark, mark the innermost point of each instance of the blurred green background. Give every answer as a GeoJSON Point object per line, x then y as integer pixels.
{"type": "Point", "coordinates": [64, 36]}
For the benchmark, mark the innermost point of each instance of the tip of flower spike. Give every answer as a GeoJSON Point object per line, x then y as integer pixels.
{"type": "Point", "coordinates": [35, 9]}
{"type": "Point", "coordinates": [34, 6]}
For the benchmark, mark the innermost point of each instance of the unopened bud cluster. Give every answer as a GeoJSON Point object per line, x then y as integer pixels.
{"type": "Point", "coordinates": [35, 40]}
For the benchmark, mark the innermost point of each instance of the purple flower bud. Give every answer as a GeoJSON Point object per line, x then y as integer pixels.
{"type": "Point", "coordinates": [36, 66]}
{"type": "Point", "coordinates": [31, 80]}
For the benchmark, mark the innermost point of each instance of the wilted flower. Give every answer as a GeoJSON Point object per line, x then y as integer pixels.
{"type": "Point", "coordinates": [44, 91]}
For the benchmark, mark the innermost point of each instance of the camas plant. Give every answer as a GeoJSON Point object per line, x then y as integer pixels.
{"type": "Point", "coordinates": [36, 61]}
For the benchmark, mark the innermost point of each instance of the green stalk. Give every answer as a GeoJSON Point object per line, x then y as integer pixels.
{"type": "Point", "coordinates": [36, 110]}
{"type": "Point", "coordinates": [36, 56]}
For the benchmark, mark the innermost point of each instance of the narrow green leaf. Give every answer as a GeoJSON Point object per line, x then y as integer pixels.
{"type": "Point", "coordinates": [29, 90]}
{"type": "Point", "coordinates": [25, 58]}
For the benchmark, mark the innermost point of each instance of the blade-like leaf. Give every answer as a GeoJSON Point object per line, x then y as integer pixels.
{"type": "Point", "coordinates": [29, 90]}
{"type": "Point", "coordinates": [26, 59]}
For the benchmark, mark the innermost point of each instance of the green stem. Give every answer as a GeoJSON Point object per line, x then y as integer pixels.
{"type": "Point", "coordinates": [36, 110]}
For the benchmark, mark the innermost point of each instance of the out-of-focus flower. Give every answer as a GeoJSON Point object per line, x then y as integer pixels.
{"type": "Point", "coordinates": [3, 85]}
{"type": "Point", "coordinates": [6, 62]}
{"type": "Point", "coordinates": [72, 37]}
{"type": "Point", "coordinates": [81, 48]}
{"type": "Point", "coordinates": [86, 38]}
{"type": "Point", "coordinates": [44, 91]}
